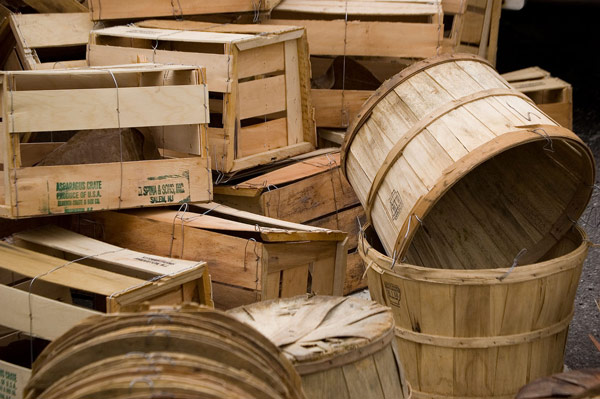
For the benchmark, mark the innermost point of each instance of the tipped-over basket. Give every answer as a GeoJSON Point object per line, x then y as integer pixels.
{"type": "Point", "coordinates": [343, 348]}
{"type": "Point", "coordinates": [456, 169]}
{"type": "Point", "coordinates": [479, 333]}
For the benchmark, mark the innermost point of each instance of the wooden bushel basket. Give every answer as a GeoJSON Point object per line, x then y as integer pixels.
{"type": "Point", "coordinates": [479, 333]}
{"type": "Point", "coordinates": [342, 347]}
{"type": "Point", "coordinates": [458, 170]}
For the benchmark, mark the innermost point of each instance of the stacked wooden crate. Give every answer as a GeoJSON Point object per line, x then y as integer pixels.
{"type": "Point", "coordinates": [356, 45]}
{"type": "Point", "coordinates": [257, 80]}
{"type": "Point", "coordinates": [312, 191]}
{"type": "Point", "coordinates": [250, 257]}
{"type": "Point", "coordinates": [162, 99]}
{"type": "Point", "coordinates": [552, 95]}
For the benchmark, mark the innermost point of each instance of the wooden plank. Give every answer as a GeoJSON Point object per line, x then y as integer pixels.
{"type": "Point", "coordinates": [52, 30]}
{"type": "Point", "coordinates": [229, 297]}
{"type": "Point", "coordinates": [254, 29]}
{"type": "Point", "coordinates": [114, 9]}
{"type": "Point", "coordinates": [531, 73]}
{"type": "Point", "coordinates": [284, 256]}
{"type": "Point", "coordinates": [262, 97]}
{"type": "Point", "coordinates": [272, 286]}
{"type": "Point", "coordinates": [73, 275]}
{"type": "Point", "coordinates": [45, 312]}
{"type": "Point", "coordinates": [294, 281]}
{"type": "Point", "coordinates": [135, 32]}
{"type": "Point", "coordinates": [293, 94]}
{"type": "Point", "coordinates": [288, 174]}
{"type": "Point", "coordinates": [356, 8]}
{"type": "Point", "coordinates": [366, 38]}
{"type": "Point", "coordinates": [262, 137]}
{"type": "Point", "coordinates": [91, 187]}
{"type": "Point", "coordinates": [310, 198]}
{"type": "Point", "coordinates": [263, 221]}
{"type": "Point", "coordinates": [217, 65]}
{"type": "Point", "coordinates": [50, 6]}
{"type": "Point", "coordinates": [261, 60]}
{"type": "Point", "coordinates": [271, 156]}
{"type": "Point", "coordinates": [334, 136]}
{"type": "Point", "coordinates": [108, 108]}
{"type": "Point", "coordinates": [345, 220]}
{"type": "Point", "coordinates": [336, 108]}
{"type": "Point", "coordinates": [109, 256]}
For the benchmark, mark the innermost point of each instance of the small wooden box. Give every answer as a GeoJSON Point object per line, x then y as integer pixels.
{"type": "Point", "coordinates": [258, 79]}
{"type": "Point", "coordinates": [51, 41]}
{"type": "Point", "coordinates": [376, 37]}
{"type": "Point", "coordinates": [250, 257]}
{"type": "Point", "coordinates": [39, 285]}
{"type": "Point", "coordinates": [553, 95]}
{"type": "Point", "coordinates": [168, 100]}
{"type": "Point", "coordinates": [136, 9]}
{"type": "Point", "coordinates": [312, 191]}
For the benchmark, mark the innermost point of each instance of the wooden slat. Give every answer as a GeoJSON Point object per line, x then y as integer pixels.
{"type": "Point", "coordinates": [424, 7]}
{"type": "Point", "coordinates": [46, 313]}
{"type": "Point", "coordinates": [262, 137]}
{"type": "Point", "coordinates": [52, 30]}
{"type": "Point", "coordinates": [271, 156]}
{"type": "Point", "coordinates": [328, 106]}
{"type": "Point", "coordinates": [261, 60]}
{"type": "Point", "coordinates": [262, 96]}
{"type": "Point", "coordinates": [294, 281]}
{"type": "Point", "coordinates": [49, 6]}
{"type": "Point", "coordinates": [84, 188]}
{"type": "Point", "coordinates": [97, 108]}
{"type": "Point", "coordinates": [293, 94]}
{"type": "Point", "coordinates": [74, 275]}
{"type": "Point", "coordinates": [134, 32]}
{"type": "Point", "coordinates": [118, 258]}
{"type": "Point", "coordinates": [530, 73]}
{"type": "Point", "coordinates": [365, 38]}
{"type": "Point", "coordinates": [115, 9]}
{"type": "Point", "coordinates": [217, 66]}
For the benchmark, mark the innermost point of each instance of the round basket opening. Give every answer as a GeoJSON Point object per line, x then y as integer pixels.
{"type": "Point", "coordinates": [516, 205]}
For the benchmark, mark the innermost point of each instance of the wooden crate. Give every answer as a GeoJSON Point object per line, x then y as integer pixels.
{"type": "Point", "coordinates": [168, 100]}
{"type": "Point", "coordinates": [136, 9]}
{"type": "Point", "coordinates": [250, 257]}
{"type": "Point", "coordinates": [476, 25]}
{"type": "Point", "coordinates": [258, 80]}
{"type": "Point", "coordinates": [51, 41]}
{"type": "Point", "coordinates": [375, 38]}
{"type": "Point", "coordinates": [311, 191]}
{"type": "Point", "coordinates": [39, 285]}
{"type": "Point", "coordinates": [552, 95]}
{"type": "Point", "coordinates": [13, 377]}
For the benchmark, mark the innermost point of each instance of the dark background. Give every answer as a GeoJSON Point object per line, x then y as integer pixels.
{"type": "Point", "coordinates": [563, 38]}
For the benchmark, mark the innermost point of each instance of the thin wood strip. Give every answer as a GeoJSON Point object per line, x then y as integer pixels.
{"type": "Point", "coordinates": [484, 342]}
{"type": "Point", "coordinates": [390, 85]}
{"type": "Point", "coordinates": [487, 151]}
{"type": "Point", "coordinates": [344, 358]}
{"type": "Point", "coordinates": [397, 150]}
{"type": "Point", "coordinates": [107, 108]}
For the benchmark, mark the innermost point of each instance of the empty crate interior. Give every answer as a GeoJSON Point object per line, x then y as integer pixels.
{"type": "Point", "coordinates": [524, 198]}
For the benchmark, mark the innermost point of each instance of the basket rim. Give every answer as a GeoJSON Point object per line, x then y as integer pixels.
{"type": "Point", "coordinates": [382, 264]}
